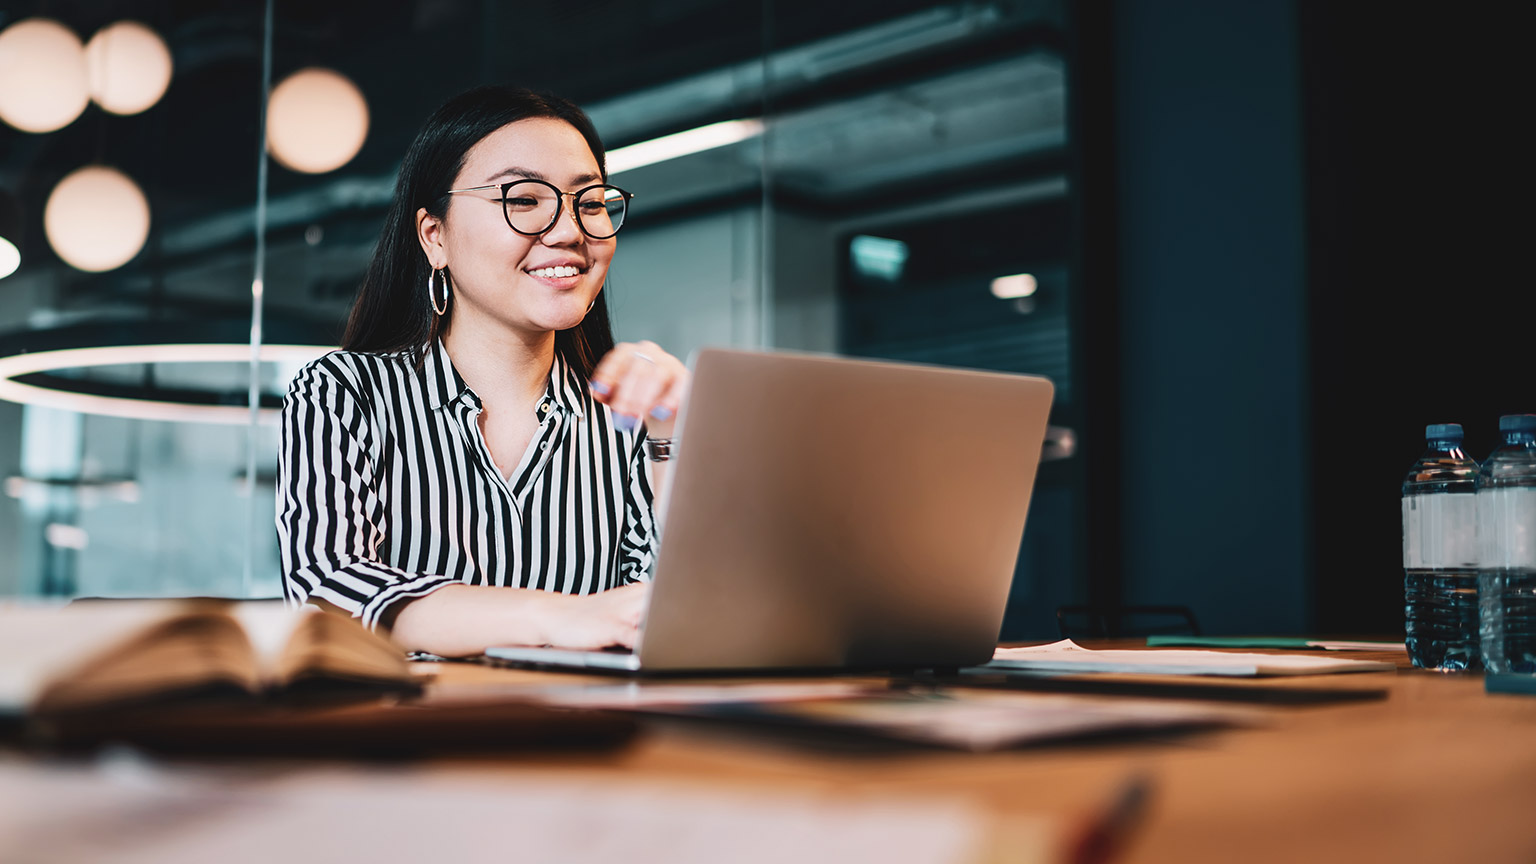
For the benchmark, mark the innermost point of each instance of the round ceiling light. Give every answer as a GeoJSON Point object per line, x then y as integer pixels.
{"type": "Point", "coordinates": [128, 67]}
{"type": "Point", "coordinates": [316, 121]}
{"type": "Point", "coordinates": [96, 219]}
{"type": "Point", "coordinates": [42, 75]}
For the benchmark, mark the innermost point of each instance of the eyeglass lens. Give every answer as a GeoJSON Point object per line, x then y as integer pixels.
{"type": "Point", "coordinates": [532, 207]}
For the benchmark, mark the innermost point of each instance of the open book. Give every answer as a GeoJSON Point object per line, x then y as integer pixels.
{"type": "Point", "coordinates": [96, 654]}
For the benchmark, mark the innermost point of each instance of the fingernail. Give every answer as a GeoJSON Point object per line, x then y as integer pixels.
{"type": "Point", "coordinates": [625, 423]}
{"type": "Point", "coordinates": [661, 412]}
{"type": "Point", "coordinates": [600, 387]}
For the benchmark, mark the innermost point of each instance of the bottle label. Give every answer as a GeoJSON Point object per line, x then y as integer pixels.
{"type": "Point", "coordinates": [1440, 531]}
{"type": "Point", "coordinates": [1506, 521]}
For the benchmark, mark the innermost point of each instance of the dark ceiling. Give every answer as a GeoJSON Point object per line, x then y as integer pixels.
{"type": "Point", "coordinates": [895, 87]}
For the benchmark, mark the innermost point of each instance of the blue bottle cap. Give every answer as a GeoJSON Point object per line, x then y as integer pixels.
{"type": "Point", "coordinates": [1517, 423]}
{"type": "Point", "coordinates": [1443, 432]}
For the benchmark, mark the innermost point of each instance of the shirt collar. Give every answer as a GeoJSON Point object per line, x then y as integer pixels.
{"type": "Point", "coordinates": [439, 380]}
{"type": "Point", "coordinates": [443, 384]}
{"type": "Point", "coordinates": [566, 388]}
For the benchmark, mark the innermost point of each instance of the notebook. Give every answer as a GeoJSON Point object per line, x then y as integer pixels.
{"type": "Point", "coordinates": [830, 513]}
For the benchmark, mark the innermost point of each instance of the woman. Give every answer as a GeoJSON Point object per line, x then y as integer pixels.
{"type": "Point", "coordinates": [470, 470]}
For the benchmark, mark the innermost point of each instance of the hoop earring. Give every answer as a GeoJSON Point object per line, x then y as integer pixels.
{"type": "Point", "coordinates": [432, 292]}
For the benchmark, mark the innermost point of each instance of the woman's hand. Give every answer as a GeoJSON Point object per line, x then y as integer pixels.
{"type": "Point", "coordinates": [596, 621]}
{"type": "Point", "coordinates": [641, 382]}
{"type": "Point", "coordinates": [463, 620]}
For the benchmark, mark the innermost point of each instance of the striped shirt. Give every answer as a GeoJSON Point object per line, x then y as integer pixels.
{"type": "Point", "coordinates": [387, 490]}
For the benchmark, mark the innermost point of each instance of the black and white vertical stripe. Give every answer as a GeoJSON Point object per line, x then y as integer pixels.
{"type": "Point", "coordinates": [387, 491]}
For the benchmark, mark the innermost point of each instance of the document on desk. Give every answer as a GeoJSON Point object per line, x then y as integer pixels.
{"type": "Point", "coordinates": [1067, 657]}
{"type": "Point", "coordinates": [639, 695]}
{"type": "Point", "coordinates": [959, 718]}
{"type": "Point", "coordinates": [1297, 643]}
{"type": "Point", "coordinates": [979, 721]}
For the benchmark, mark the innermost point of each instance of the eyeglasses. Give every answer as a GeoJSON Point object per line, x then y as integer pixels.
{"type": "Point", "coordinates": [533, 206]}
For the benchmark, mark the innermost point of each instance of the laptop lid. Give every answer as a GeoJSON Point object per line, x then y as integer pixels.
{"type": "Point", "coordinates": [830, 513]}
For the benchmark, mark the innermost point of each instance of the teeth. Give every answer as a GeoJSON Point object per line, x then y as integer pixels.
{"type": "Point", "coordinates": [554, 272]}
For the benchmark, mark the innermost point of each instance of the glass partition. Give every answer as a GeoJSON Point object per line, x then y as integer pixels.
{"type": "Point", "coordinates": [882, 179]}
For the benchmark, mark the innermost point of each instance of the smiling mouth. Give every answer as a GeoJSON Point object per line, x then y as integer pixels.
{"type": "Point", "coordinates": [555, 272]}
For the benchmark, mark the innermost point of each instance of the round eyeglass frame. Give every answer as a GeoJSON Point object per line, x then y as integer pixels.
{"type": "Point", "coordinates": [560, 197]}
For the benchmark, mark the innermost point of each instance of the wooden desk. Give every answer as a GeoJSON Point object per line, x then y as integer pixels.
{"type": "Point", "coordinates": [1437, 772]}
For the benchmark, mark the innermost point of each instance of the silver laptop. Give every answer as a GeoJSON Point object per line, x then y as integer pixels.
{"type": "Point", "coordinates": [826, 513]}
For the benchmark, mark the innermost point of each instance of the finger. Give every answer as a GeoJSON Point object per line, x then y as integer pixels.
{"type": "Point", "coordinates": [627, 637]}
{"type": "Point", "coordinates": [663, 405]}
{"type": "Point", "coordinates": [641, 389]}
{"type": "Point", "coordinates": [670, 403]}
{"type": "Point", "coordinates": [611, 370]}
{"type": "Point", "coordinates": [638, 602]}
{"type": "Point", "coordinates": [633, 392]}
{"type": "Point", "coordinates": [626, 629]}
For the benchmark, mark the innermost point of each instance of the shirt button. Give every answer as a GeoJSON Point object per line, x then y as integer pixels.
{"type": "Point", "coordinates": [544, 445]}
{"type": "Point", "coordinates": [544, 408]}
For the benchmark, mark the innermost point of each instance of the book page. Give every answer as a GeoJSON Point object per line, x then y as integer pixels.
{"type": "Point", "coordinates": [45, 642]}
{"type": "Point", "coordinates": [308, 642]}
{"type": "Point", "coordinates": [269, 624]}
{"type": "Point", "coordinates": [1067, 656]}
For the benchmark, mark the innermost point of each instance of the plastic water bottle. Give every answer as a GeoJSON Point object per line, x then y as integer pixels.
{"type": "Point", "coordinates": [1440, 554]}
{"type": "Point", "coordinates": [1506, 540]}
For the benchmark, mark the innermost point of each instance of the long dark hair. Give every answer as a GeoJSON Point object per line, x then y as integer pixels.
{"type": "Point", "coordinates": [392, 311]}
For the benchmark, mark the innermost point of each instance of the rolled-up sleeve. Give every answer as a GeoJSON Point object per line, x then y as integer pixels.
{"type": "Point", "coordinates": [331, 516]}
{"type": "Point", "coordinates": [636, 547]}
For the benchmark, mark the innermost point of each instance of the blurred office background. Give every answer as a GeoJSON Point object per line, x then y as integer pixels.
{"type": "Point", "coordinates": [1252, 244]}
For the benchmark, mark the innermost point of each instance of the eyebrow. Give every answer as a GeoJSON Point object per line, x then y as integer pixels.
{"type": "Point", "coordinates": [530, 174]}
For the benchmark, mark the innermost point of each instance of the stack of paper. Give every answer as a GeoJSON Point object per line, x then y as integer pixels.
{"type": "Point", "coordinates": [1068, 657]}
{"type": "Point", "coordinates": [1297, 642]}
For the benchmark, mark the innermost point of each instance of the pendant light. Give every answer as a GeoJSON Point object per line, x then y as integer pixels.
{"type": "Point", "coordinates": [42, 75]}
{"type": "Point", "coordinates": [128, 67]}
{"type": "Point", "coordinates": [96, 219]}
{"type": "Point", "coordinates": [317, 120]}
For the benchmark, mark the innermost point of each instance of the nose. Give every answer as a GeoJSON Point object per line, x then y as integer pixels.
{"type": "Point", "coordinates": [566, 231]}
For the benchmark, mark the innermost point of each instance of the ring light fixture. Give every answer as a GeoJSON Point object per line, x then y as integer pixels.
{"type": "Point", "coordinates": [10, 257]}
{"type": "Point", "coordinates": [30, 361]}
